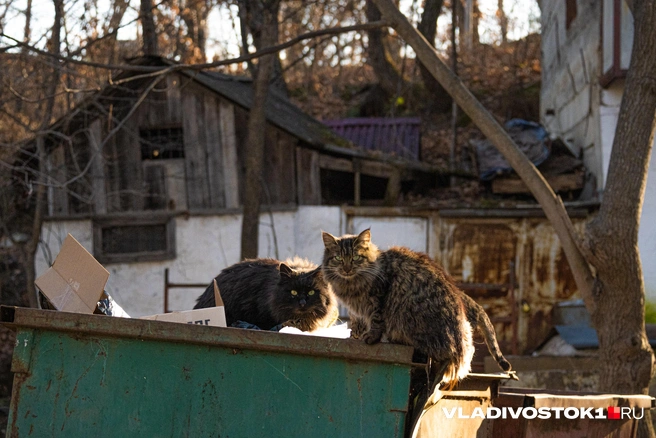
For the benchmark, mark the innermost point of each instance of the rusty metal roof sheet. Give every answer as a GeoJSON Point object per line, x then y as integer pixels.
{"type": "Point", "coordinates": [399, 135]}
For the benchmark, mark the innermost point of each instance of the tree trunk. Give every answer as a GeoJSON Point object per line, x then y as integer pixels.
{"type": "Point", "coordinates": [256, 137]}
{"type": "Point", "coordinates": [468, 17]}
{"type": "Point", "coordinates": [615, 298]}
{"type": "Point", "coordinates": [118, 11]}
{"type": "Point", "coordinates": [148, 28]}
{"type": "Point", "coordinates": [441, 100]}
{"type": "Point", "coordinates": [388, 75]}
{"type": "Point", "coordinates": [31, 246]}
{"type": "Point", "coordinates": [503, 22]}
{"type": "Point", "coordinates": [194, 14]}
{"type": "Point", "coordinates": [251, 13]}
{"type": "Point", "coordinates": [476, 15]}
{"type": "Point", "coordinates": [27, 32]}
{"type": "Point", "coordinates": [627, 363]}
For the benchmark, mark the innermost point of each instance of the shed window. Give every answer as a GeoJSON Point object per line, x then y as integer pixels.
{"type": "Point", "coordinates": [134, 240]}
{"type": "Point", "coordinates": [161, 143]}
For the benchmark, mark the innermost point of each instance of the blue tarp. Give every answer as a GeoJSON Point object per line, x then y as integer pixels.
{"type": "Point", "coordinates": [579, 336]}
{"type": "Point", "coordinates": [531, 138]}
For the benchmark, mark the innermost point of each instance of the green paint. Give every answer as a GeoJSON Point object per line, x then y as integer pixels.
{"type": "Point", "coordinates": [80, 385]}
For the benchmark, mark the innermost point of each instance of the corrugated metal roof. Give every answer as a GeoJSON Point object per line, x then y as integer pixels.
{"type": "Point", "coordinates": [399, 136]}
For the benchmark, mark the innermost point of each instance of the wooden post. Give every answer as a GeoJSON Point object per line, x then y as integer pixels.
{"type": "Point", "coordinates": [454, 105]}
{"type": "Point", "coordinates": [166, 290]}
{"type": "Point", "coordinates": [356, 183]}
{"type": "Point", "coordinates": [393, 188]}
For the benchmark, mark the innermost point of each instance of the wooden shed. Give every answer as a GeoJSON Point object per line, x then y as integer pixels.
{"type": "Point", "coordinates": [172, 141]}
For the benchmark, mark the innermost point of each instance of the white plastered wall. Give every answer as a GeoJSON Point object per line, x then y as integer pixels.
{"type": "Point", "coordinates": [204, 246]}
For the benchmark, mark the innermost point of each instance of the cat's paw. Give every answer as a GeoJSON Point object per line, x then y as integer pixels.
{"type": "Point", "coordinates": [291, 323]}
{"type": "Point", "coordinates": [301, 324]}
{"type": "Point", "coordinates": [358, 328]}
{"type": "Point", "coordinates": [372, 336]}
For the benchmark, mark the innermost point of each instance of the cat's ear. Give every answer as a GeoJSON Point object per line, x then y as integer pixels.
{"type": "Point", "coordinates": [364, 237]}
{"type": "Point", "coordinates": [329, 240]}
{"type": "Point", "coordinates": [285, 271]}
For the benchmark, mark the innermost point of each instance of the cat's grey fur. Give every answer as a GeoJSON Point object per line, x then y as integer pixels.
{"type": "Point", "coordinates": [409, 298]}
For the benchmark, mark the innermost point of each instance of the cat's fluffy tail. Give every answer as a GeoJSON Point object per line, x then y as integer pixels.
{"type": "Point", "coordinates": [491, 340]}
{"type": "Point", "coordinates": [300, 264]}
{"type": "Point", "coordinates": [457, 371]}
{"type": "Point", "coordinates": [479, 320]}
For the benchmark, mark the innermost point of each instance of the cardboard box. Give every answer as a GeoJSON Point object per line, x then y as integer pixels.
{"type": "Point", "coordinates": [212, 316]}
{"type": "Point", "coordinates": [75, 281]}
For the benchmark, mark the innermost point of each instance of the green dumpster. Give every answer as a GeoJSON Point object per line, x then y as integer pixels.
{"type": "Point", "coordinates": [90, 375]}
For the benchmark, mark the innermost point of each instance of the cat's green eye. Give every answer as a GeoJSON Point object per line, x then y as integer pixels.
{"type": "Point", "coordinates": [338, 258]}
{"type": "Point", "coordinates": [311, 292]}
{"type": "Point", "coordinates": [356, 257]}
{"type": "Point", "coordinates": [294, 293]}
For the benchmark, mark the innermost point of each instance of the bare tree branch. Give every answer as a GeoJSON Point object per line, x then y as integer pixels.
{"type": "Point", "coordinates": [243, 58]}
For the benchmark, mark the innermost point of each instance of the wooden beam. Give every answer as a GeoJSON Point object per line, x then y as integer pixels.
{"type": "Point", "coordinates": [373, 168]}
{"type": "Point", "coordinates": [357, 189]}
{"type": "Point", "coordinates": [332, 163]}
{"type": "Point", "coordinates": [367, 167]}
{"type": "Point", "coordinates": [559, 183]}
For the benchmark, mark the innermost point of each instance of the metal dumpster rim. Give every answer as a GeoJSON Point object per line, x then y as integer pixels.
{"type": "Point", "coordinates": [547, 397]}
{"type": "Point", "coordinates": [239, 339]}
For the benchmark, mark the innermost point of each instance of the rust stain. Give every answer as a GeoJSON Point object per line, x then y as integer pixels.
{"type": "Point", "coordinates": [19, 380]}
{"type": "Point", "coordinates": [481, 253]}
{"type": "Point", "coordinates": [566, 283]}
{"type": "Point", "coordinates": [479, 250]}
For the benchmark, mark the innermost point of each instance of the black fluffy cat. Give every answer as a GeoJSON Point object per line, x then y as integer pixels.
{"type": "Point", "coordinates": [409, 298]}
{"type": "Point", "coordinates": [268, 292]}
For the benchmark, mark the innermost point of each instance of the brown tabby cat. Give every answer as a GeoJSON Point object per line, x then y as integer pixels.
{"type": "Point", "coordinates": [409, 298]}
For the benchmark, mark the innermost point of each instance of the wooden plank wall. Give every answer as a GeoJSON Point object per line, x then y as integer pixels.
{"type": "Point", "coordinates": [58, 205]}
{"type": "Point", "coordinates": [98, 176]}
{"type": "Point", "coordinates": [308, 177]}
{"type": "Point", "coordinates": [213, 150]}
{"type": "Point", "coordinates": [280, 164]}
{"type": "Point", "coordinates": [241, 131]}
{"type": "Point", "coordinates": [211, 175]}
{"type": "Point", "coordinates": [279, 167]}
{"type": "Point", "coordinates": [78, 181]}
{"type": "Point", "coordinates": [203, 149]}
{"type": "Point", "coordinates": [130, 170]}
{"type": "Point", "coordinates": [230, 160]}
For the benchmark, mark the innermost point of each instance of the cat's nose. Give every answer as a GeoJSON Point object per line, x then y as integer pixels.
{"type": "Point", "coordinates": [302, 303]}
